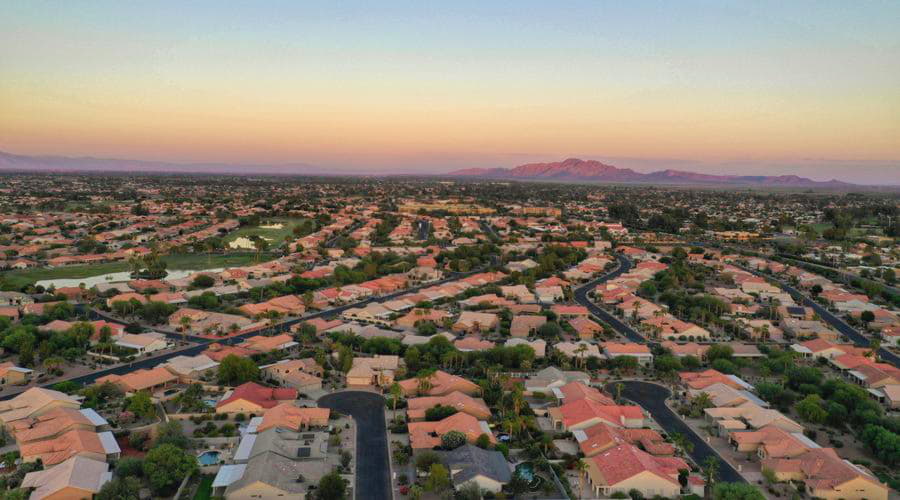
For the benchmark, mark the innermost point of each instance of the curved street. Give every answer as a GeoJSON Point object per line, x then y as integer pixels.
{"type": "Point", "coordinates": [832, 320]}
{"type": "Point", "coordinates": [581, 296]}
{"type": "Point", "coordinates": [652, 397]}
{"type": "Point", "coordinates": [373, 470]}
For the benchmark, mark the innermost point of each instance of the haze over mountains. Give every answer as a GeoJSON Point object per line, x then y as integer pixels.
{"type": "Point", "coordinates": [574, 169]}
{"type": "Point", "coordinates": [88, 164]}
{"type": "Point", "coordinates": [571, 170]}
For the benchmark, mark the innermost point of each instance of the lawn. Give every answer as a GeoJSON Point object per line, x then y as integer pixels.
{"type": "Point", "coordinates": [204, 490]}
{"type": "Point", "coordinates": [15, 280]}
{"type": "Point", "coordinates": [274, 236]}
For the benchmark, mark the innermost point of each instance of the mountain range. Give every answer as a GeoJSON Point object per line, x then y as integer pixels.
{"type": "Point", "coordinates": [574, 169]}
{"type": "Point", "coordinates": [88, 164]}
{"type": "Point", "coordinates": [571, 170]}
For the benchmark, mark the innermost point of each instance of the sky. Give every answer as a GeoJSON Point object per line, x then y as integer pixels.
{"type": "Point", "coordinates": [731, 87]}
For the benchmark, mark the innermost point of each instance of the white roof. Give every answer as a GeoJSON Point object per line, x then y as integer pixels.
{"type": "Point", "coordinates": [484, 427]}
{"type": "Point", "coordinates": [739, 381]}
{"type": "Point", "coordinates": [243, 450]}
{"type": "Point", "coordinates": [109, 443]}
{"type": "Point", "coordinates": [93, 416]}
{"type": "Point", "coordinates": [253, 424]}
{"type": "Point", "coordinates": [809, 443]}
{"type": "Point", "coordinates": [558, 393]}
{"type": "Point", "coordinates": [579, 435]}
{"type": "Point", "coordinates": [801, 349]}
{"type": "Point", "coordinates": [228, 474]}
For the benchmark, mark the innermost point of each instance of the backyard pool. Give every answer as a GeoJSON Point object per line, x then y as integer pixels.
{"type": "Point", "coordinates": [525, 470]}
{"type": "Point", "coordinates": [209, 457]}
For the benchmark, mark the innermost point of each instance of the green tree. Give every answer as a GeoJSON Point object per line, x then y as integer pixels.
{"type": "Point", "coordinates": [130, 466]}
{"type": "Point", "coordinates": [810, 409]}
{"type": "Point", "coordinates": [234, 370]}
{"type": "Point", "coordinates": [332, 487]}
{"type": "Point", "coordinates": [438, 479]}
{"type": "Point", "coordinates": [120, 488]}
{"type": "Point", "coordinates": [141, 405]}
{"type": "Point", "coordinates": [171, 433]}
{"type": "Point", "coordinates": [439, 412]}
{"type": "Point", "coordinates": [166, 466]}
{"type": "Point", "coordinates": [453, 440]}
{"type": "Point", "coordinates": [737, 491]}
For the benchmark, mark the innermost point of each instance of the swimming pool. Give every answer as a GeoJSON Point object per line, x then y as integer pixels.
{"type": "Point", "coordinates": [209, 457]}
{"type": "Point", "coordinates": [525, 470]}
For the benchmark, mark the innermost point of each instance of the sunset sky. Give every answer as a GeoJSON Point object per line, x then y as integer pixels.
{"type": "Point", "coordinates": [748, 87]}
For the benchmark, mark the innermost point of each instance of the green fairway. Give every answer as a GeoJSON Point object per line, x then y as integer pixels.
{"type": "Point", "coordinates": [275, 236]}
{"type": "Point", "coordinates": [15, 280]}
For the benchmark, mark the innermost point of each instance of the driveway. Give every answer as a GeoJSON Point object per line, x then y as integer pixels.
{"type": "Point", "coordinates": [652, 397]}
{"type": "Point", "coordinates": [373, 470]}
{"type": "Point", "coordinates": [581, 296]}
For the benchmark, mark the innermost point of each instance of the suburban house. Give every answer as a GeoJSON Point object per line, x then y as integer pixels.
{"type": "Point", "coordinates": [584, 413]}
{"type": "Point", "coordinates": [34, 402]}
{"type": "Point", "coordinates": [625, 468]}
{"type": "Point", "coordinates": [77, 477]}
{"type": "Point", "coordinates": [427, 435]}
{"type": "Point", "coordinates": [251, 397]}
{"type": "Point", "coordinates": [640, 351]}
{"type": "Point", "coordinates": [552, 377]}
{"type": "Point", "coordinates": [292, 373]}
{"type": "Point", "coordinates": [76, 442]}
{"type": "Point", "coordinates": [377, 370]}
{"type": "Point", "coordinates": [416, 407]}
{"type": "Point", "coordinates": [10, 374]}
{"type": "Point", "coordinates": [488, 469]}
{"type": "Point", "coordinates": [525, 325]}
{"type": "Point", "coordinates": [143, 343]}
{"type": "Point", "coordinates": [440, 383]}
{"type": "Point", "coordinates": [191, 368]}
{"type": "Point", "coordinates": [263, 344]}
{"type": "Point", "coordinates": [150, 380]}
{"type": "Point", "coordinates": [601, 437]}
{"type": "Point", "coordinates": [288, 416]}
{"type": "Point", "coordinates": [828, 476]}
{"type": "Point", "coordinates": [475, 322]}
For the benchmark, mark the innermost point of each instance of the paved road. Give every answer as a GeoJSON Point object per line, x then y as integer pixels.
{"type": "Point", "coordinates": [581, 296]}
{"type": "Point", "coordinates": [486, 227]}
{"type": "Point", "coordinates": [373, 471]}
{"type": "Point", "coordinates": [840, 325]}
{"type": "Point", "coordinates": [652, 397]}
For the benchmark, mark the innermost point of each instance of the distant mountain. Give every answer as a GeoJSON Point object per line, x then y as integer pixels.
{"type": "Point", "coordinates": [574, 169]}
{"type": "Point", "coordinates": [87, 164]}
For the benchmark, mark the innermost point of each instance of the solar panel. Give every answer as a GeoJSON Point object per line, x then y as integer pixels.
{"type": "Point", "coordinates": [303, 453]}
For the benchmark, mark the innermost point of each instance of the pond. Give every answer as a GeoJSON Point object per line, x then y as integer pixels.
{"type": "Point", "coordinates": [117, 277]}
{"type": "Point", "coordinates": [209, 457]}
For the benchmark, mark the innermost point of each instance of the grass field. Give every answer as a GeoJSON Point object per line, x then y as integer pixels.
{"type": "Point", "coordinates": [15, 280]}
{"type": "Point", "coordinates": [204, 491]}
{"type": "Point", "coordinates": [274, 236]}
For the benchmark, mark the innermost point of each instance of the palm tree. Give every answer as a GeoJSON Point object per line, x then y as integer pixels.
{"type": "Point", "coordinates": [581, 466]}
{"type": "Point", "coordinates": [682, 442]}
{"type": "Point", "coordinates": [710, 471]}
{"type": "Point", "coordinates": [396, 391]}
{"type": "Point", "coordinates": [702, 401]}
{"type": "Point", "coordinates": [579, 354]}
{"type": "Point", "coordinates": [424, 384]}
{"type": "Point", "coordinates": [185, 326]}
{"type": "Point", "coordinates": [874, 346]}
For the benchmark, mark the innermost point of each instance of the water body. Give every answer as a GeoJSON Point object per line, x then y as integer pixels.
{"type": "Point", "coordinates": [119, 277]}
